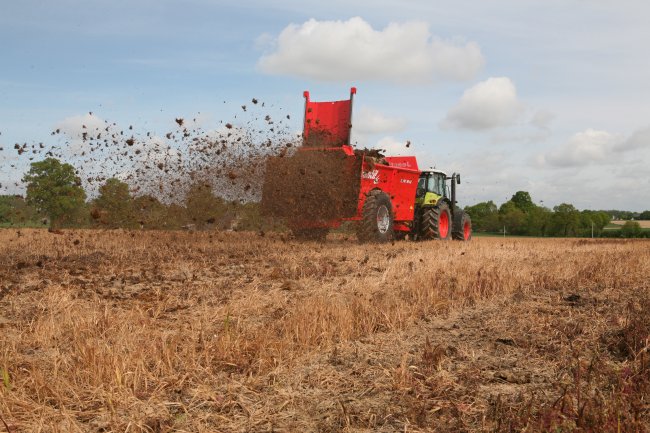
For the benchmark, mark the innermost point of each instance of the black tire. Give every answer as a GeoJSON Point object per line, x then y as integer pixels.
{"type": "Point", "coordinates": [462, 227]}
{"type": "Point", "coordinates": [436, 222]}
{"type": "Point", "coordinates": [310, 233]}
{"type": "Point", "coordinates": [376, 224]}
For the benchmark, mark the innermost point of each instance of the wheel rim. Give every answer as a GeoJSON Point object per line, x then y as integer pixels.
{"type": "Point", "coordinates": [383, 219]}
{"type": "Point", "coordinates": [466, 230]}
{"type": "Point", "coordinates": [443, 225]}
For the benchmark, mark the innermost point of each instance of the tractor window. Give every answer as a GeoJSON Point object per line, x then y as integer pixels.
{"type": "Point", "coordinates": [436, 184]}
{"type": "Point", "coordinates": [443, 186]}
{"type": "Point", "coordinates": [421, 187]}
{"type": "Point", "coordinates": [431, 184]}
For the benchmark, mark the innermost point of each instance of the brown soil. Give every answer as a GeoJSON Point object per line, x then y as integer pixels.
{"type": "Point", "coordinates": [247, 159]}
{"type": "Point", "coordinates": [230, 155]}
{"type": "Point", "coordinates": [312, 185]}
{"type": "Point", "coordinates": [232, 332]}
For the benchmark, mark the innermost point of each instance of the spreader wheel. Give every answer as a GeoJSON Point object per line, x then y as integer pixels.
{"type": "Point", "coordinates": [462, 229]}
{"type": "Point", "coordinates": [376, 224]}
{"type": "Point", "coordinates": [436, 222]}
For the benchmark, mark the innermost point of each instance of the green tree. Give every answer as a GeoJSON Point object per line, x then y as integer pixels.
{"type": "Point", "coordinates": [114, 206]}
{"type": "Point", "coordinates": [523, 217]}
{"type": "Point", "coordinates": [593, 219]}
{"type": "Point", "coordinates": [631, 229]}
{"type": "Point", "coordinates": [203, 207]}
{"type": "Point", "coordinates": [602, 219]}
{"type": "Point", "coordinates": [645, 215]}
{"type": "Point", "coordinates": [513, 218]}
{"type": "Point", "coordinates": [523, 201]}
{"type": "Point", "coordinates": [538, 221]}
{"type": "Point", "coordinates": [149, 212]}
{"type": "Point", "coordinates": [485, 216]}
{"type": "Point", "coordinates": [55, 190]}
{"type": "Point", "coordinates": [14, 210]}
{"type": "Point", "coordinates": [5, 208]}
{"type": "Point", "coordinates": [621, 214]}
{"type": "Point", "coordinates": [566, 220]}
{"type": "Point", "coordinates": [176, 217]}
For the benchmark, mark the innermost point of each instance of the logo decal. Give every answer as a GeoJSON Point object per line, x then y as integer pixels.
{"type": "Point", "coordinates": [372, 175]}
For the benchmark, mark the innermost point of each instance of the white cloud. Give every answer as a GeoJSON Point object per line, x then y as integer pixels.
{"type": "Point", "coordinates": [353, 51]}
{"type": "Point", "coordinates": [195, 121]}
{"type": "Point", "coordinates": [542, 119]}
{"type": "Point", "coordinates": [393, 147]}
{"type": "Point", "coordinates": [489, 104]}
{"type": "Point", "coordinates": [74, 127]}
{"type": "Point", "coordinates": [369, 121]}
{"type": "Point", "coordinates": [519, 137]}
{"type": "Point", "coordinates": [638, 140]}
{"type": "Point", "coordinates": [79, 129]}
{"type": "Point", "coordinates": [584, 148]}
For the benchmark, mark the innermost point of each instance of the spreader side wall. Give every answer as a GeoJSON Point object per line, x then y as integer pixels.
{"type": "Point", "coordinates": [399, 183]}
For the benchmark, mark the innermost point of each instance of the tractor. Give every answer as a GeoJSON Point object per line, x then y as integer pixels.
{"type": "Point", "coordinates": [327, 182]}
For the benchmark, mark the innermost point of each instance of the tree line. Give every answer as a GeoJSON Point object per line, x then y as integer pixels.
{"type": "Point", "coordinates": [55, 197]}
{"type": "Point", "coordinates": [521, 216]}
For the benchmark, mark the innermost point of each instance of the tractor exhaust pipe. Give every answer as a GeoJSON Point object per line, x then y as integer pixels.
{"type": "Point", "coordinates": [455, 178]}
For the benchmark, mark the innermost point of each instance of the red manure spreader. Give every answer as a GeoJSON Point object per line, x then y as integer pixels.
{"type": "Point", "coordinates": [327, 182]}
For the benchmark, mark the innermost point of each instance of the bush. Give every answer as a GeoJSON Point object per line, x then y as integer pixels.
{"type": "Point", "coordinates": [631, 229]}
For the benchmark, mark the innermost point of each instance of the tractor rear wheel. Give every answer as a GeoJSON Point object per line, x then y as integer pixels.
{"type": "Point", "coordinates": [462, 227]}
{"type": "Point", "coordinates": [376, 223]}
{"type": "Point", "coordinates": [436, 222]}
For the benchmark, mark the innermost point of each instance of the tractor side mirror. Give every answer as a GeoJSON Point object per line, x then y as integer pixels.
{"type": "Point", "coordinates": [458, 179]}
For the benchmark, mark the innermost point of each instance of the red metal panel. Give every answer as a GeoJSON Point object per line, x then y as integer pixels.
{"type": "Point", "coordinates": [327, 124]}
{"type": "Point", "coordinates": [330, 120]}
{"type": "Point", "coordinates": [402, 162]}
{"type": "Point", "coordinates": [399, 183]}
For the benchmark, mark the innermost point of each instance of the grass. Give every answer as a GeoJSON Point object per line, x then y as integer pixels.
{"type": "Point", "coordinates": [27, 224]}
{"type": "Point", "coordinates": [615, 227]}
{"type": "Point", "coordinates": [618, 223]}
{"type": "Point", "coordinates": [499, 235]}
{"type": "Point", "coordinates": [200, 332]}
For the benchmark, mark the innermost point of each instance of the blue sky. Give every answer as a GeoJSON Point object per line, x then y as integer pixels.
{"type": "Point", "coordinates": [545, 96]}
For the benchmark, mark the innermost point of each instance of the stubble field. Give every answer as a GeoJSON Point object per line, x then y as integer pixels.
{"type": "Point", "coordinates": [144, 331]}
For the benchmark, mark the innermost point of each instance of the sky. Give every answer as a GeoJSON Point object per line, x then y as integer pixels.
{"type": "Point", "coordinates": [548, 96]}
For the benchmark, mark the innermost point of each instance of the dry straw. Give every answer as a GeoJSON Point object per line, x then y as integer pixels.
{"type": "Point", "coordinates": [114, 331]}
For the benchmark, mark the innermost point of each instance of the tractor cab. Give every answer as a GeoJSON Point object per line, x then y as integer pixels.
{"type": "Point", "coordinates": [436, 214]}
{"type": "Point", "coordinates": [432, 186]}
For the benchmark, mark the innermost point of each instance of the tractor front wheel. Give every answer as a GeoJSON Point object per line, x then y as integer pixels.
{"type": "Point", "coordinates": [436, 222]}
{"type": "Point", "coordinates": [462, 228]}
{"type": "Point", "coordinates": [376, 224]}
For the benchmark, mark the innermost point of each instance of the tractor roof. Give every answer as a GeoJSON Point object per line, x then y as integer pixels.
{"type": "Point", "coordinates": [433, 170]}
